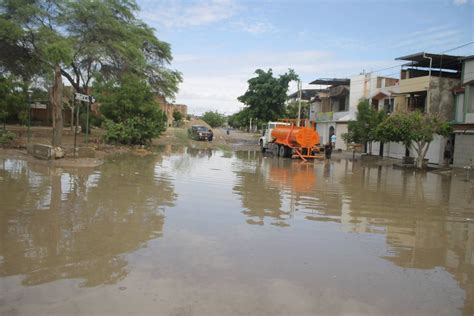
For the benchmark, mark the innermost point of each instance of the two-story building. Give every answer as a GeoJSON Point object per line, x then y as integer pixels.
{"type": "Point", "coordinates": [426, 84]}
{"type": "Point", "coordinates": [464, 116]}
{"type": "Point", "coordinates": [329, 105]}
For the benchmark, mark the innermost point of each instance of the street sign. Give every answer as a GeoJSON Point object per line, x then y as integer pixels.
{"type": "Point", "coordinates": [84, 97]}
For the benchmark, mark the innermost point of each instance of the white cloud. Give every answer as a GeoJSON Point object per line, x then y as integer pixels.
{"type": "Point", "coordinates": [460, 2]}
{"type": "Point", "coordinates": [255, 27]}
{"type": "Point", "coordinates": [214, 82]}
{"type": "Point", "coordinates": [186, 14]}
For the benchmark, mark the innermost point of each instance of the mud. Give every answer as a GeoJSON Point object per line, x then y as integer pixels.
{"type": "Point", "coordinates": [200, 231]}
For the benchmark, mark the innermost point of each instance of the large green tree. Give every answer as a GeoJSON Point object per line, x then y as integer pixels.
{"type": "Point", "coordinates": [214, 118]}
{"type": "Point", "coordinates": [266, 95]}
{"type": "Point", "coordinates": [363, 129]}
{"type": "Point", "coordinates": [79, 39]}
{"type": "Point", "coordinates": [413, 129]}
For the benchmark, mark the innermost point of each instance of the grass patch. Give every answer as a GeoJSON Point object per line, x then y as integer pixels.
{"type": "Point", "coordinates": [224, 147]}
{"type": "Point", "coordinates": [181, 135]}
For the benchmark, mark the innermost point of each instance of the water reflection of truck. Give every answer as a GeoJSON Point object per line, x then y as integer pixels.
{"type": "Point", "coordinates": [286, 139]}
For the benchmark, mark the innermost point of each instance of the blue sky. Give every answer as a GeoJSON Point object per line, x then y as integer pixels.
{"type": "Point", "coordinates": [218, 44]}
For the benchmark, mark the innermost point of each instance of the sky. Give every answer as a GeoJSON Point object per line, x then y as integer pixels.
{"type": "Point", "coordinates": [217, 45]}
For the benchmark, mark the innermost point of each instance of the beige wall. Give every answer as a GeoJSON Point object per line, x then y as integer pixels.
{"type": "Point", "coordinates": [414, 84]}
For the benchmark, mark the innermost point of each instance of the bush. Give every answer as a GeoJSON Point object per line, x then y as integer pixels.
{"type": "Point", "coordinates": [6, 137]}
{"type": "Point", "coordinates": [131, 113]}
{"type": "Point", "coordinates": [135, 130]}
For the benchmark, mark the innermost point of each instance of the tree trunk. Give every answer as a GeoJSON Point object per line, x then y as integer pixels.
{"type": "Point", "coordinates": [56, 98]}
{"type": "Point", "coordinates": [422, 150]}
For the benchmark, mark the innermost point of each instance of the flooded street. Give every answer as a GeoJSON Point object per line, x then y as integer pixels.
{"type": "Point", "coordinates": [201, 232]}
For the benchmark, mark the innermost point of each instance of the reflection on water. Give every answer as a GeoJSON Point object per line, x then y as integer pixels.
{"type": "Point", "coordinates": [76, 224]}
{"type": "Point", "coordinates": [428, 219]}
{"type": "Point", "coordinates": [228, 216]}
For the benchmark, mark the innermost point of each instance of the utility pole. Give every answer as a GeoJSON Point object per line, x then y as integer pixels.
{"type": "Point", "coordinates": [299, 103]}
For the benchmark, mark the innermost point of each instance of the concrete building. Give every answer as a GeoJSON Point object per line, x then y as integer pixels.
{"type": "Point", "coordinates": [426, 84]}
{"type": "Point", "coordinates": [464, 116]}
{"type": "Point", "coordinates": [378, 90]}
{"type": "Point", "coordinates": [329, 105]}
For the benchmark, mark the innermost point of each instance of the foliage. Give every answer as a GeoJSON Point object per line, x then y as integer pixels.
{"type": "Point", "coordinates": [413, 129]}
{"type": "Point", "coordinates": [6, 137]}
{"type": "Point", "coordinates": [132, 131]}
{"type": "Point", "coordinates": [363, 129]}
{"type": "Point", "coordinates": [188, 117]}
{"type": "Point", "coordinates": [266, 95]}
{"type": "Point", "coordinates": [214, 119]}
{"type": "Point", "coordinates": [292, 109]}
{"type": "Point", "coordinates": [79, 40]}
{"type": "Point", "coordinates": [132, 116]}
{"type": "Point", "coordinates": [239, 119]}
{"type": "Point", "coordinates": [85, 38]}
{"type": "Point", "coordinates": [13, 100]}
{"type": "Point", "coordinates": [177, 116]}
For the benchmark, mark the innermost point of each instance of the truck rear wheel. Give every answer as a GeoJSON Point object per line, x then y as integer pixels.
{"type": "Point", "coordinates": [284, 151]}
{"type": "Point", "coordinates": [275, 150]}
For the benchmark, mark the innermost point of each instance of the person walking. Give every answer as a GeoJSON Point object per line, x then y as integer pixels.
{"type": "Point", "coordinates": [333, 140]}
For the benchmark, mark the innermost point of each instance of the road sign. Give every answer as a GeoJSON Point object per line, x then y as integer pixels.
{"type": "Point", "coordinates": [84, 97]}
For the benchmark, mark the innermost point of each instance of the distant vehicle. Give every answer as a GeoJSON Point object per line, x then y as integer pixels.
{"type": "Point", "coordinates": [285, 139]}
{"type": "Point", "coordinates": [199, 132]}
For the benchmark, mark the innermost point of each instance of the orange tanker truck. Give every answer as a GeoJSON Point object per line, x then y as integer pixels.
{"type": "Point", "coordinates": [286, 139]}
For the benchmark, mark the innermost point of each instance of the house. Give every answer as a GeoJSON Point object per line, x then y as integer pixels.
{"type": "Point", "coordinates": [464, 116]}
{"type": "Point", "coordinates": [306, 95]}
{"type": "Point", "coordinates": [426, 84]}
{"type": "Point", "coordinates": [328, 105]}
{"type": "Point", "coordinates": [378, 90]}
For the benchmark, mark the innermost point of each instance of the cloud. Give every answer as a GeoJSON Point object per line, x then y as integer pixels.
{"type": "Point", "coordinates": [187, 14]}
{"type": "Point", "coordinates": [215, 82]}
{"type": "Point", "coordinates": [255, 26]}
{"type": "Point", "coordinates": [460, 2]}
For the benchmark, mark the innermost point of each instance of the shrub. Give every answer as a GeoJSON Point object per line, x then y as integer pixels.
{"type": "Point", "coordinates": [6, 137]}
{"type": "Point", "coordinates": [135, 130]}
{"type": "Point", "coordinates": [131, 113]}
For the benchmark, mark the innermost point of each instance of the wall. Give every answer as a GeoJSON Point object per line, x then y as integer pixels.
{"type": "Point", "coordinates": [323, 130]}
{"type": "Point", "coordinates": [442, 97]}
{"type": "Point", "coordinates": [459, 108]}
{"type": "Point", "coordinates": [357, 88]}
{"type": "Point", "coordinates": [463, 150]}
{"type": "Point", "coordinates": [468, 71]}
{"type": "Point", "coordinates": [341, 128]}
{"type": "Point", "coordinates": [414, 84]}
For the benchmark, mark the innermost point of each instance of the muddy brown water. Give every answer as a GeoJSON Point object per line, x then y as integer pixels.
{"type": "Point", "coordinates": [199, 232]}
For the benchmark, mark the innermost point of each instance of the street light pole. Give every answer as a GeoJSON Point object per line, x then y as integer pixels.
{"type": "Point", "coordinates": [29, 115]}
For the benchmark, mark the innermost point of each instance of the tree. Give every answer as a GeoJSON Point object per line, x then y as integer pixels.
{"type": "Point", "coordinates": [240, 119]}
{"type": "Point", "coordinates": [266, 95]}
{"type": "Point", "coordinates": [214, 119]}
{"type": "Point", "coordinates": [132, 115]}
{"type": "Point", "coordinates": [292, 109]}
{"type": "Point", "coordinates": [413, 129]}
{"type": "Point", "coordinates": [78, 40]}
{"type": "Point", "coordinates": [363, 129]}
{"type": "Point", "coordinates": [177, 116]}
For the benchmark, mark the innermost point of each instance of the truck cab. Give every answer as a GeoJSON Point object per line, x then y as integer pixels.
{"type": "Point", "coordinates": [266, 137]}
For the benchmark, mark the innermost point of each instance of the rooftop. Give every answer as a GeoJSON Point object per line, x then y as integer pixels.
{"type": "Point", "coordinates": [439, 61]}
{"type": "Point", "coordinates": [332, 81]}
{"type": "Point", "coordinates": [306, 94]}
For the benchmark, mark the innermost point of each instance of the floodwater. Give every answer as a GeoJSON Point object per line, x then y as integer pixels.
{"type": "Point", "coordinates": [200, 232]}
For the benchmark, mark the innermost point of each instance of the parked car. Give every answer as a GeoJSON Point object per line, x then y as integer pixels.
{"type": "Point", "coordinates": [199, 132]}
